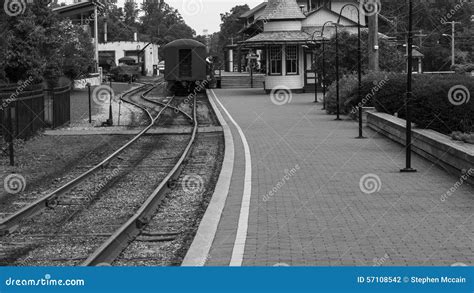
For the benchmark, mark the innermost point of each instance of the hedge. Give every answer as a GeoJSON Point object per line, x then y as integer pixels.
{"type": "Point", "coordinates": [432, 106]}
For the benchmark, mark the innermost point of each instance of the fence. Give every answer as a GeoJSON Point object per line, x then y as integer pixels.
{"type": "Point", "coordinates": [33, 109]}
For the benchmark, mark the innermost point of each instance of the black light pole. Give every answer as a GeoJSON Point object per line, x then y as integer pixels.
{"type": "Point", "coordinates": [338, 107]}
{"type": "Point", "coordinates": [359, 65]}
{"type": "Point", "coordinates": [111, 120]}
{"type": "Point", "coordinates": [315, 71]}
{"type": "Point", "coordinates": [408, 168]}
{"type": "Point", "coordinates": [324, 75]}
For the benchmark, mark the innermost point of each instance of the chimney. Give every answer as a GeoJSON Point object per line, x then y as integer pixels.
{"type": "Point", "coordinates": [135, 36]}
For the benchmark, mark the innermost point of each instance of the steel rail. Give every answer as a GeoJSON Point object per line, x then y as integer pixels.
{"type": "Point", "coordinates": [112, 247]}
{"type": "Point", "coordinates": [163, 104]}
{"type": "Point", "coordinates": [9, 223]}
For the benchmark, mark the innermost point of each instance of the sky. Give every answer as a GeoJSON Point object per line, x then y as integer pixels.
{"type": "Point", "coordinates": [201, 14]}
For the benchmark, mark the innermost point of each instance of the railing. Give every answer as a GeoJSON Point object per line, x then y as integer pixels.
{"type": "Point", "coordinates": [26, 110]}
{"type": "Point", "coordinates": [32, 109]}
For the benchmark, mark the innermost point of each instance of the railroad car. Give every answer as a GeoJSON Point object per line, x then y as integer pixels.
{"type": "Point", "coordinates": [185, 65]}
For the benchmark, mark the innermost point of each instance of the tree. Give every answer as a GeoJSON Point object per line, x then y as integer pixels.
{"type": "Point", "coordinates": [431, 18]}
{"type": "Point", "coordinates": [40, 46]}
{"type": "Point", "coordinates": [230, 27]}
{"type": "Point", "coordinates": [162, 23]}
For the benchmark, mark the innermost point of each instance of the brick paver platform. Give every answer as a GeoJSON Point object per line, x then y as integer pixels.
{"type": "Point", "coordinates": [307, 205]}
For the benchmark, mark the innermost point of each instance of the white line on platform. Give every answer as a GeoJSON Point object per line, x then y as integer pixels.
{"type": "Point", "coordinates": [241, 237]}
{"type": "Point", "coordinates": [198, 253]}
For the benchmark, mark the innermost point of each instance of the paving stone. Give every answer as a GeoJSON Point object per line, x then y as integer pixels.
{"type": "Point", "coordinates": [320, 216]}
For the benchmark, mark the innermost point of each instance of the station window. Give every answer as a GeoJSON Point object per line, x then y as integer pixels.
{"type": "Point", "coordinates": [292, 60]}
{"type": "Point", "coordinates": [275, 60]}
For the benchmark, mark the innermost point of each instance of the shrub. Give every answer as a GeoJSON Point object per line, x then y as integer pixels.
{"type": "Point", "coordinates": [347, 84]}
{"type": "Point", "coordinates": [373, 84]}
{"type": "Point", "coordinates": [431, 107]}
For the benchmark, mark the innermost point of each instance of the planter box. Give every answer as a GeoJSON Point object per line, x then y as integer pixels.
{"type": "Point", "coordinates": [453, 156]}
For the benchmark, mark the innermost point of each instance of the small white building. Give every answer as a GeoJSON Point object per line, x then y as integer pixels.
{"type": "Point", "coordinates": [143, 52]}
{"type": "Point", "coordinates": [288, 27]}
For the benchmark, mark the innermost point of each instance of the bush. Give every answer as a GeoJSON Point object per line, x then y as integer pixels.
{"type": "Point", "coordinates": [372, 84]}
{"type": "Point", "coordinates": [347, 84]}
{"type": "Point", "coordinates": [432, 107]}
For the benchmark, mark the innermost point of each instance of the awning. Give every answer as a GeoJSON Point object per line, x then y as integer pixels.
{"type": "Point", "coordinates": [278, 38]}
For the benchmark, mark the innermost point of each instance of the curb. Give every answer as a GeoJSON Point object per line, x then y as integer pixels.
{"type": "Point", "coordinates": [198, 253]}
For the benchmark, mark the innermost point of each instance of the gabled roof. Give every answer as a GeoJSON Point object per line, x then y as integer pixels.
{"type": "Point", "coordinates": [253, 10]}
{"type": "Point", "coordinates": [282, 10]}
{"type": "Point", "coordinates": [330, 11]}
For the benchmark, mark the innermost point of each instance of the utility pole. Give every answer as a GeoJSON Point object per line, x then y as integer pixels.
{"type": "Point", "coordinates": [453, 47]}
{"type": "Point", "coordinates": [421, 36]}
{"type": "Point", "coordinates": [374, 42]}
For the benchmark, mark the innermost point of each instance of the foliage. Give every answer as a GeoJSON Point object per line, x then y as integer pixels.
{"type": "Point", "coordinates": [390, 58]}
{"type": "Point", "coordinates": [431, 107]}
{"type": "Point", "coordinates": [464, 68]}
{"type": "Point", "coordinates": [347, 84]}
{"type": "Point", "coordinates": [230, 27]}
{"type": "Point", "coordinates": [372, 85]}
{"type": "Point", "coordinates": [431, 18]}
{"type": "Point", "coordinates": [40, 46]}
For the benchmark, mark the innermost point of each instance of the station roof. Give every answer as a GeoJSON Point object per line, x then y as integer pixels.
{"type": "Point", "coordinates": [274, 38]}
{"type": "Point", "coordinates": [282, 10]}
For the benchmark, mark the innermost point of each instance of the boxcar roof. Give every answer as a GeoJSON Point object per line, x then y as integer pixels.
{"type": "Point", "coordinates": [184, 43]}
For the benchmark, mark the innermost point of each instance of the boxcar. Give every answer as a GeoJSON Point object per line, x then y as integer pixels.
{"type": "Point", "coordinates": [185, 63]}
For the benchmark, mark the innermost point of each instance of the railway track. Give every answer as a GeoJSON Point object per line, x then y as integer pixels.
{"type": "Point", "coordinates": [11, 222]}
{"type": "Point", "coordinates": [114, 245]}
{"type": "Point", "coordinates": [110, 249]}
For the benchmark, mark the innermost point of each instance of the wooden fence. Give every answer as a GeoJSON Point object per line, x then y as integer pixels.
{"type": "Point", "coordinates": [33, 109]}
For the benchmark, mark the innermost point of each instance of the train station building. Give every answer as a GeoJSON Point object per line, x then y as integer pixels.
{"type": "Point", "coordinates": [280, 31]}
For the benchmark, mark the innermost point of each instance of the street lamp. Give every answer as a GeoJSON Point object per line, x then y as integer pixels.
{"type": "Point", "coordinates": [315, 70]}
{"type": "Point", "coordinates": [408, 168]}
{"type": "Point", "coordinates": [359, 64]}
{"type": "Point", "coordinates": [338, 107]}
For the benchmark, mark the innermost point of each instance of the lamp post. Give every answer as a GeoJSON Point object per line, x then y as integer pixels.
{"type": "Point", "coordinates": [324, 73]}
{"type": "Point", "coordinates": [408, 168]}
{"type": "Point", "coordinates": [359, 66]}
{"type": "Point", "coordinates": [315, 71]}
{"type": "Point", "coordinates": [338, 107]}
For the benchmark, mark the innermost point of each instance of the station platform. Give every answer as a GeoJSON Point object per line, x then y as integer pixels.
{"type": "Point", "coordinates": [291, 194]}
